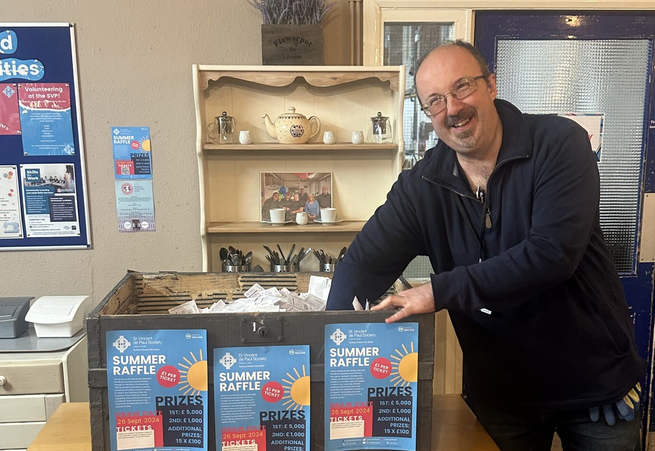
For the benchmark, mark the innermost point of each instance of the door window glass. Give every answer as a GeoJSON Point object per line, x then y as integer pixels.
{"type": "Point", "coordinates": [590, 76]}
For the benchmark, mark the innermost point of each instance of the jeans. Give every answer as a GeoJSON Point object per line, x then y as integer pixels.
{"type": "Point", "coordinates": [533, 430]}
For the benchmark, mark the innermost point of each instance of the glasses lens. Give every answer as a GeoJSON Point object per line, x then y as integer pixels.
{"type": "Point", "coordinates": [435, 106]}
{"type": "Point", "coordinates": [464, 88]}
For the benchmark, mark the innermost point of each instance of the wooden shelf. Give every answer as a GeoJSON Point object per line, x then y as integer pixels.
{"type": "Point", "coordinates": [311, 147]}
{"type": "Point", "coordinates": [281, 76]}
{"type": "Point", "coordinates": [258, 227]}
{"type": "Point", "coordinates": [230, 175]}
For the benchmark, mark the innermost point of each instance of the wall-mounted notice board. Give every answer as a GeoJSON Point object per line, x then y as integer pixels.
{"type": "Point", "coordinates": [43, 202]}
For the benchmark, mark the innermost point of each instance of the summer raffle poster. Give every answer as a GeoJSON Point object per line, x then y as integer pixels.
{"type": "Point", "coordinates": [132, 154]}
{"type": "Point", "coordinates": [371, 386]}
{"type": "Point", "coordinates": [262, 398]}
{"type": "Point", "coordinates": [157, 389]}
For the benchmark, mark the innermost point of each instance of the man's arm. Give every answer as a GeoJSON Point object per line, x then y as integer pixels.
{"type": "Point", "coordinates": [380, 252]}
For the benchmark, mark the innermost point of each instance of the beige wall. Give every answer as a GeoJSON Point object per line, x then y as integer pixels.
{"type": "Point", "coordinates": [134, 61]}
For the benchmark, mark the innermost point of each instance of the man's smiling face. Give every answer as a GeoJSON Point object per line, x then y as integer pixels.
{"type": "Point", "coordinates": [468, 125]}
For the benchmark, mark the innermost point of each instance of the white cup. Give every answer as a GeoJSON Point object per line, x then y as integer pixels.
{"type": "Point", "coordinates": [328, 214]}
{"type": "Point", "coordinates": [244, 137]}
{"type": "Point", "coordinates": [277, 215]}
{"type": "Point", "coordinates": [328, 137]}
{"type": "Point", "coordinates": [302, 218]}
{"type": "Point", "coordinates": [358, 137]}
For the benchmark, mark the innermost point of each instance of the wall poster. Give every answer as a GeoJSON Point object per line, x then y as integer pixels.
{"type": "Point", "coordinates": [371, 374]}
{"type": "Point", "coordinates": [43, 202]}
{"type": "Point", "coordinates": [50, 200]}
{"type": "Point", "coordinates": [135, 204]}
{"type": "Point", "coordinates": [10, 223]}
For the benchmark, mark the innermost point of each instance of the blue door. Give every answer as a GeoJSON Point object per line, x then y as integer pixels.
{"type": "Point", "coordinates": [597, 66]}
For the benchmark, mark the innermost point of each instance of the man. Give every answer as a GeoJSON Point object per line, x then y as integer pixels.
{"type": "Point", "coordinates": [269, 204]}
{"type": "Point", "coordinates": [324, 199]}
{"type": "Point", "coordinates": [302, 196]}
{"type": "Point", "coordinates": [286, 203]}
{"type": "Point", "coordinates": [506, 207]}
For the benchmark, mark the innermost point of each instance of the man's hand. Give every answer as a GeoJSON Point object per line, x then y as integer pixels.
{"type": "Point", "coordinates": [414, 301]}
{"type": "Point", "coordinates": [625, 408]}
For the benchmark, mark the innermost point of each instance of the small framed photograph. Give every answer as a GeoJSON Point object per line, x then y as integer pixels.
{"type": "Point", "coordinates": [289, 193]}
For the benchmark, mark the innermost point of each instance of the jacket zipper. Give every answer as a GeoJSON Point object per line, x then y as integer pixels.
{"type": "Point", "coordinates": [487, 211]}
{"type": "Point", "coordinates": [487, 220]}
{"type": "Point", "coordinates": [460, 208]}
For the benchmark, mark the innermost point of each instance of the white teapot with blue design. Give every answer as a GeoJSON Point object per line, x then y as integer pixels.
{"type": "Point", "coordinates": [292, 127]}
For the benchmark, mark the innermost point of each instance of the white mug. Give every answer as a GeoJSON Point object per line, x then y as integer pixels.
{"type": "Point", "coordinates": [358, 137]}
{"type": "Point", "coordinates": [302, 218]}
{"type": "Point", "coordinates": [328, 214]}
{"type": "Point", "coordinates": [328, 137]}
{"type": "Point", "coordinates": [244, 137]}
{"type": "Point", "coordinates": [277, 215]}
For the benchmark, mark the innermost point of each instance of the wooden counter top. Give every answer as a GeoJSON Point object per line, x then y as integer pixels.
{"type": "Point", "coordinates": [454, 428]}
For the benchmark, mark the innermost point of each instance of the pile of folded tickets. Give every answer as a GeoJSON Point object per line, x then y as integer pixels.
{"type": "Point", "coordinates": [258, 299]}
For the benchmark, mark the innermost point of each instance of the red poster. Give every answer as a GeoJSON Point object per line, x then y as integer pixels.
{"type": "Point", "coordinates": [9, 116]}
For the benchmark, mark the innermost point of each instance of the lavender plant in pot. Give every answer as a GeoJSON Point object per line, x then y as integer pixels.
{"type": "Point", "coordinates": [291, 32]}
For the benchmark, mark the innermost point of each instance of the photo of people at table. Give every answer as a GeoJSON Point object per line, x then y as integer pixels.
{"type": "Point", "coordinates": [61, 176]}
{"type": "Point", "coordinates": [295, 192]}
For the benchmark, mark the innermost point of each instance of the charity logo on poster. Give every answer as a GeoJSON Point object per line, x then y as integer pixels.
{"type": "Point", "coordinates": [371, 374]}
{"type": "Point", "coordinates": [262, 398]}
{"type": "Point", "coordinates": [157, 389]}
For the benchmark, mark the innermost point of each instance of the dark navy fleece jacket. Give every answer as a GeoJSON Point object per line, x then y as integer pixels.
{"type": "Point", "coordinates": [528, 281]}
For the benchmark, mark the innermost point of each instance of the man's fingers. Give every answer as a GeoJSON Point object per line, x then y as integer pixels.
{"type": "Point", "coordinates": [382, 305]}
{"type": "Point", "coordinates": [400, 314]}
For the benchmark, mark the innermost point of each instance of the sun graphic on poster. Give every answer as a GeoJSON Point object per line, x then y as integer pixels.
{"type": "Point", "coordinates": [297, 391]}
{"type": "Point", "coordinates": [193, 378]}
{"type": "Point", "coordinates": [405, 367]}
{"type": "Point", "coordinates": [145, 144]}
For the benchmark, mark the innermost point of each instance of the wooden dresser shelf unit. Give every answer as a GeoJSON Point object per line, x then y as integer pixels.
{"type": "Point", "coordinates": [309, 147]}
{"type": "Point", "coordinates": [258, 227]}
{"type": "Point", "coordinates": [344, 98]}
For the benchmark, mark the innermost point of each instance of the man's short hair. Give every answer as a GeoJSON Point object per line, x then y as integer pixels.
{"type": "Point", "coordinates": [484, 67]}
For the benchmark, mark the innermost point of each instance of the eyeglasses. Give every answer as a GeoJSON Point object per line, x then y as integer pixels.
{"type": "Point", "coordinates": [460, 90]}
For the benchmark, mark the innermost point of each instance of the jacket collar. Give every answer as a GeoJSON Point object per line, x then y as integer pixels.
{"type": "Point", "coordinates": [440, 163]}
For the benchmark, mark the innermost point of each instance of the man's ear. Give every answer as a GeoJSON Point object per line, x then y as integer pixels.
{"type": "Point", "coordinates": [492, 86]}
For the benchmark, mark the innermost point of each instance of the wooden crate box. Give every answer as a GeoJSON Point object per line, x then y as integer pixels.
{"type": "Point", "coordinates": [142, 300]}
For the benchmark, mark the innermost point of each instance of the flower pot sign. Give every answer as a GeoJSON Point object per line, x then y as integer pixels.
{"type": "Point", "coordinates": [293, 45]}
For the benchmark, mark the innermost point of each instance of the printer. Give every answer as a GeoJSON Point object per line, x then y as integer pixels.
{"type": "Point", "coordinates": [12, 316]}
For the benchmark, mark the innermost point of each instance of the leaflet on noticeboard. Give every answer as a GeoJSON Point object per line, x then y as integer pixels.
{"type": "Point", "coordinates": [46, 119]}
{"type": "Point", "coordinates": [370, 386]}
{"type": "Point", "coordinates": [261, 398]}
{"type": "Point", "coordinates": [157, 389]}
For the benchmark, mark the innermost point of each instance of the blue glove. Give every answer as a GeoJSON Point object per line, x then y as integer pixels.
{"type": "Point", "coordinates": [625, 408]}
